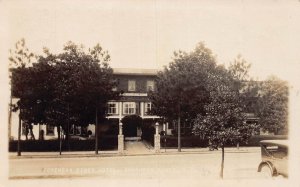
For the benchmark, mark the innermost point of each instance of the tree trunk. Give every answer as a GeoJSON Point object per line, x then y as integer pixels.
{"type": "Point", "coordinates": [179, 133]}
{"type": "Point", "coordinates": [40, 131]}
{"type": "Point", "coordinates": [19, 135]}
{"type": "Point", "coordinates": [68, 128]}
{"type": "Point", "coordinates": [96, 132]}
{"type": "Point", "coordinates": [32, 137]}
{"type": "Point", "coordinates": [59, 138]}
{"type": "Point", "coordinates": [222, 164]}
{"type": "Point", "coordinates": [26, 132]}
{"type": "Point", "coordinates": [9, 117]}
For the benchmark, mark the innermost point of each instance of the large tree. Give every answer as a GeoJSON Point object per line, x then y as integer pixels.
{"type": "Point", "coordinates": [273, 105]}
{"type": "Point", "coordinates": [247, 87]}
{"type": "Point", "coordinates": [267, 99]}
{"type": "Point", "coordinates": [19, 60]}
{"type": "Point", "coordinates": [223, 121]}
{"type": "Point", "coordinates": [83, 84]}
{"type": "Point", "coordinates": [72, 87]}
{"type": "Point", "coordinates": [182, 86]}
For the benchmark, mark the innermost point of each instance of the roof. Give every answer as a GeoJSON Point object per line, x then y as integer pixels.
{"type": "Point", "coordinates": [133, 71]}
{"type": "Point", "coordinates": [275, 142]}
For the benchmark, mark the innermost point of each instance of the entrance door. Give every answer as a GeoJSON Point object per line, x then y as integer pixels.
{"type": "Point", "coordinates": [130, 130]}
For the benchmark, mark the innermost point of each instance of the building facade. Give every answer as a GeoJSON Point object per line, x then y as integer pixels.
{"type": "Point", "coordinates": [135, 85]}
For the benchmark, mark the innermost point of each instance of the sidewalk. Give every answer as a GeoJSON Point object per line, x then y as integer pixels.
{"type": "Point", "coordinates": [168, 151]}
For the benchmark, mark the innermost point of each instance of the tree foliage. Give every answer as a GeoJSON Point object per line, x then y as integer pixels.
{"type": "Point", "coordinates": [248, 88]}
{"type": "Point", "coordinates": [239, 69]}
{"type": "Point", "coordinates": [273, 105]}
{"type": "Point", "coordinates": [25, 84]}
{"type": "Point", "coordinates": [20, 56]}
{"type": "Point", "coordinates": [65, 88]}
{"type": "Point", "coordinates": [224, 118]}
{"type": "Point", "coordinates": [181, 87]}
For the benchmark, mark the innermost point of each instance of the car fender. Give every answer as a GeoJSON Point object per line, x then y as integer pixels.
{"type": "Point", "coordinates": [273, 169]}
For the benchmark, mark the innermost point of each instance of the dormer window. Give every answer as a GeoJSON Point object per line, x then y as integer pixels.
{"type": "Point", "coordinates": [131, 85]}
{"type": "Point", "coordinates": [150, 85]}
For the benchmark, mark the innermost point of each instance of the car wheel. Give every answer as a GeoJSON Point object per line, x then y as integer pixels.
{"type": "Point", "coordinates": [266, 171]}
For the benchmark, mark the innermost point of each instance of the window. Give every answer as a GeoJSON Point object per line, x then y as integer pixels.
{"type": "Point", "coordinates": [148, 106]}
{"type": "Point", "coordinates": [150, 86]}
{"type": "Point", "coordinates": [50, 130]}
{"type": "Point", "coordinates": [112, 108]}
{"type": "Point", "coordinates": [129, 108]}
{"type": "Point", "coordinates": [131, 85]}
{"type": "Point", "coordinates": [77, 130]}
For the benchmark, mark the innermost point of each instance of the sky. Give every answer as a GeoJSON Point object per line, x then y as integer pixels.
{"type": "Point", "coordinates": [144, 34]}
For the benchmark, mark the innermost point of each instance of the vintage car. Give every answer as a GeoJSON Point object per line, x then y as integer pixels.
{"type": "Point", "coordinates": [274, 155]}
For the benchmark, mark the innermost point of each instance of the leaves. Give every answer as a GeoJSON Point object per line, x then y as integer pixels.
{"type": "Point", "coordinates": [68, 86]}
{"type": "Point", "coordinates": [21, 56]}
{"type": "Point", "coordinates": [273, 104]}
{"type": "Point", "coordinates": [183, 84]}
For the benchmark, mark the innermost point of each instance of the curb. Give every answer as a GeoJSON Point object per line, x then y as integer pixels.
{"type": "Point", "coordinates": [127, 154]}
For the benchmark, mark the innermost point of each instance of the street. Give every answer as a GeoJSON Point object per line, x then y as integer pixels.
{"type": "Point", "coordinates": [238, 165]}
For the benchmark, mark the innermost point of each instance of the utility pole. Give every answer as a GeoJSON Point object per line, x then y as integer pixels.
{"type": "Point", "coordinates": [19, 134]}
{"type": "Point", "coordinates": [10, 104]}
{"type": "Point", "coordinates": [179, 136]}
{"type": "Point", "coordinates": [68, 127]}
{"type": "Point", "coordinates": [60, 139]}
{"type": "Point", "coordinates": [96, 132]}
{"type": "Point", "coordinates": [10, 114]}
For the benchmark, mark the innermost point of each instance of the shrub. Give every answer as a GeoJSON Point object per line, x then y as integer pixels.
{"type": "Point", "coordinates": [254, 140]}
{"type": "Point", "coordinates": [105, 143]}
{"type": "Point", "coordinates": [195, 141]}
{"type": "Point", "coordinates": [148, 132]}
{"type": "Point", "coordinates": [188, 141]}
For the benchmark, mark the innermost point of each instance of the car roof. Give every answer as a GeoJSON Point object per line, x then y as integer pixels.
{"type": "Point", "coordinates": [275, 142]}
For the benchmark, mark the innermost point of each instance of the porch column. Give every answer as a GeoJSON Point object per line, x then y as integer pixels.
{"type": "Point", "coordinates": [167, 127]}
{"type": "Point", "coordinates": [120, 139]}
{"type": "Point", "coordinates": [142, 109]}
{"type": "Point", "coordinates": [120, 110]}
{"type": "Point", "coordinates": [156, 139]}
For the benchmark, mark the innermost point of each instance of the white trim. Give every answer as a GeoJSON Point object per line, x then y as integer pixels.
{"type": "Point", "coordinates": [135, 94]}
{"type": "Point", "coordinates": [120, 117]}
{"type": "Point", "coordinates": [149, 117]}
{"type": "Point", "coordinates": [113, 117]}
{"type": "Point", "coordinates": [134, 71]}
